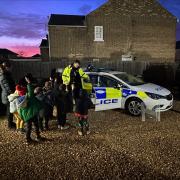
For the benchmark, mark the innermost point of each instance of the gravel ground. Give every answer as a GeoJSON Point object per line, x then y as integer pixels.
{"type": "Point", "coordinates": [119, 147]}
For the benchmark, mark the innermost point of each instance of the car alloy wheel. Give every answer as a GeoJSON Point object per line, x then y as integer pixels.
{"type": "Point", "coordinates": [134, 107]}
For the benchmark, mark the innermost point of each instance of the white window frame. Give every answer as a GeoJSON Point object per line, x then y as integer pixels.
{"type": "Point", "coordinates": [98, 33]}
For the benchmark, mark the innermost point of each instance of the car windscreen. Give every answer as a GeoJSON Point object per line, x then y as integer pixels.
{"type": "Point", "coordinates": [130, 79]}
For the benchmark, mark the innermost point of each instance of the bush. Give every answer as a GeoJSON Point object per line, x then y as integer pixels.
{"type": "Point", "coordinates": [160, 74]}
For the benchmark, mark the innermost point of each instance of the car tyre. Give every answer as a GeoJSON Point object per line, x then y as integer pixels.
{"type": "Point", "coordinates": [133, 106]}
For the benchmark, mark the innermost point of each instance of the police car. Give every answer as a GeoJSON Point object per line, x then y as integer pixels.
{"type": "Point", "coordinates": [113, 90]}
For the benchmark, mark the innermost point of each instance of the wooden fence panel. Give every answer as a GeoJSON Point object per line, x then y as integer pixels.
{"type": "Point", "coordinates": [43, 69]}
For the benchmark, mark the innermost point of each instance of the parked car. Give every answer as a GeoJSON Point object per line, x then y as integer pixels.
{"type": "Point", "coordinates": [121, 90]}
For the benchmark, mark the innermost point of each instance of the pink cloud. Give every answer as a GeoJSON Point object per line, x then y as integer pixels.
{"type": "Point", "coordinates": [23, 46]}
{"type": "Point", "coordinates": [26, 51]}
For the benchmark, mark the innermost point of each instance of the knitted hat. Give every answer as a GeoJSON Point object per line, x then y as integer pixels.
{"type": "Point", "coordinates": [21, 90]}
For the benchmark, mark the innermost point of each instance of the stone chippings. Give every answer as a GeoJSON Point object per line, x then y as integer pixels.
{"type": "Point", "coordinates": [119, 147]}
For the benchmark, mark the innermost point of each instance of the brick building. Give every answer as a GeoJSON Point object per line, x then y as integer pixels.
{"type": "Point", "coordinates": [44, 49]}
{"type": "Point", "coordinates": [143, 29]}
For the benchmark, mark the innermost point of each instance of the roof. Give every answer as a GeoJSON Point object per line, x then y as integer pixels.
{"type": "Point", "coordinates": [178, 45]}
{"type": "Point", "coordinates": [105, 72]}
{"type": "Point", "coordinates": [71, 20]}
{"type": "Point", "coordinates": [44, 43]}
{"type": "Point", "coordinates": [7, 52]}
{"type": "Point", "coordinates": [36, 56]}
{"type": "Point", "coordinates": [149, 8]}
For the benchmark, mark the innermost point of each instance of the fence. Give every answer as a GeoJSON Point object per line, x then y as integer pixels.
{"type": "Point", "coordinates": [163, 74]}
{"type": "Point", "coordinates": [43, 69]}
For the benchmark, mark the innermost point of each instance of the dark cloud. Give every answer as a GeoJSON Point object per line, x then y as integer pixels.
{"type": "Point", "coordinates": [85, 9]}
{"type": "Point", "coordinates": [22, 25]}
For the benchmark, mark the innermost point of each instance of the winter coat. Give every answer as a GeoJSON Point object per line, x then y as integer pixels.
{"type": "Point", "coordinates": [40, 97]}
{"type": "Point", "coordinates": [12, 98]}
{"type": "Point", "coordinates": [82, 105]}
{"type": "Point", "coordinates": [76, 76]}
{"type": "Point", "coordinates": [47, 101]}
{"type": "Point", "coordinates": [7, 85]}
{"type": "Point", "coordinates": [33, 105]}
{"type": "Point", "coordinates": [49, 97]}
{"type": "Point", "coordinates": [61, 100]}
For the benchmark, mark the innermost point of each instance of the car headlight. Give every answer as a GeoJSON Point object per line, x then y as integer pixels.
{"type": "Point", "coordinates": [154, 96]}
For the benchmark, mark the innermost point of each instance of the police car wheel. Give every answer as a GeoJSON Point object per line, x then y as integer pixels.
{"type": "Point", "coordinates": [134, 107]}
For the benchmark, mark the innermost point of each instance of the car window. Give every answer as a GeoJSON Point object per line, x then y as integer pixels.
{"type": "Point", "coordinates": [107, 82]}
{"type": "Point", "coordinates": [94, 80]}
{"type": "Point", "coordinates": [130, 79]}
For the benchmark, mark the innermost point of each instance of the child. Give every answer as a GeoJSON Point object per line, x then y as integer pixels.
{"type": "Point", "coordinates": [21, 87]}
{"type": "Point", "coordinates": [12, 98]}
{"type": "Point", "coordinates": [83, 103]}
{"type": "Point", "coordinates": [61, 104]}
{"type": "Point", "coordinates": [30, 113]}
{"type": "Point", "coordinates": [38, 92]}
{"type": "Point", "coordinates": [14, 105]}
{"type": "Point", "coordinates": [48, 102]}
{"type": "Point", "coordinates": [46, 99]}
{"type": "Point", "coordinates": [21, 91]}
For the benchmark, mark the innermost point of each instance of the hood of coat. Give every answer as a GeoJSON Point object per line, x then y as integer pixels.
{"type": "Point", "coordinates": [12, 97]}
{"type": "Point", "coordinates": [40, 96]}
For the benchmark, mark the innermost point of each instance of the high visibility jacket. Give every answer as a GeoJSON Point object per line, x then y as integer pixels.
{"type": "Point", "coordinates": [66, 77]}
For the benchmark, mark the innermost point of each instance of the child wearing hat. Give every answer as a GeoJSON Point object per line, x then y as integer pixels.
{"type": "Point", "coordinates": [21, 91]}
{"type": "Point", "coordinates": [16, 102]}
{"type": "Point", "coordinates": [30, 112]}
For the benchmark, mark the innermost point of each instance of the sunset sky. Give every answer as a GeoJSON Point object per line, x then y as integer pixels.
{"type": "Point", "coordinates": [23, 23]}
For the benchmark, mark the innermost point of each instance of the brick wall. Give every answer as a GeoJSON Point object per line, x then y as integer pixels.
{"type": "Point", "coordinates": [143, 28]}
{"type": "Point", "coordinates": [44, 53]}
{"type": "Point", "coordinates": [67, 42]}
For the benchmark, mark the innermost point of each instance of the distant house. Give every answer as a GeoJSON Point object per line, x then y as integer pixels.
{"type": "Point", "coordinates": [7, 54]}
{"type": "Point", "coordinates": [44, 49]}
{"type": "Point", "coordinates": [116, 29]}
{"type": "Point", "coordinates": [178, 51]}
{"type": "Point", "coordinates": [36, 56]}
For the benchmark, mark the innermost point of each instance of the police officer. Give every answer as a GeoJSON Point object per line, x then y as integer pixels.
{"type": "Point", "coordinates": [75, 79]}
{"type": "Point", "coordinates": [90, 68]}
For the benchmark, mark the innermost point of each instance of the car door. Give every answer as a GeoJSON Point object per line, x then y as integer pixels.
{"type": "Point", "coordinates": [108, 93]}
{"type": "Point", "coordinates": [94, 78]}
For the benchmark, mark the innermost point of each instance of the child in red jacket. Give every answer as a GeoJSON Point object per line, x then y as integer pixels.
{"type": "Point", "coordinates": [21, 91]}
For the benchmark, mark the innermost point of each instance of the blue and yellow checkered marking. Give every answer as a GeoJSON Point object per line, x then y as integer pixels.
{"type": "Point", "coordinates": [107, 93]}
{"type": "Point", "coordinates": [110, 93]}
{"type": "Point", "coordinates": [100, 93]}
{"type": "Point", "coordinates": [128, 92]}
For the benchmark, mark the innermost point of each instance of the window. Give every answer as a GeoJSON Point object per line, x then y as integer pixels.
{"type": "Point", "coordinates": [107, 82]}
{"type": "Point", "coordinates": [129, 79]}
{"type": "Point", "coordinates": [94, 80]}
{"type": "Point", "coordinates": [98, 33]}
